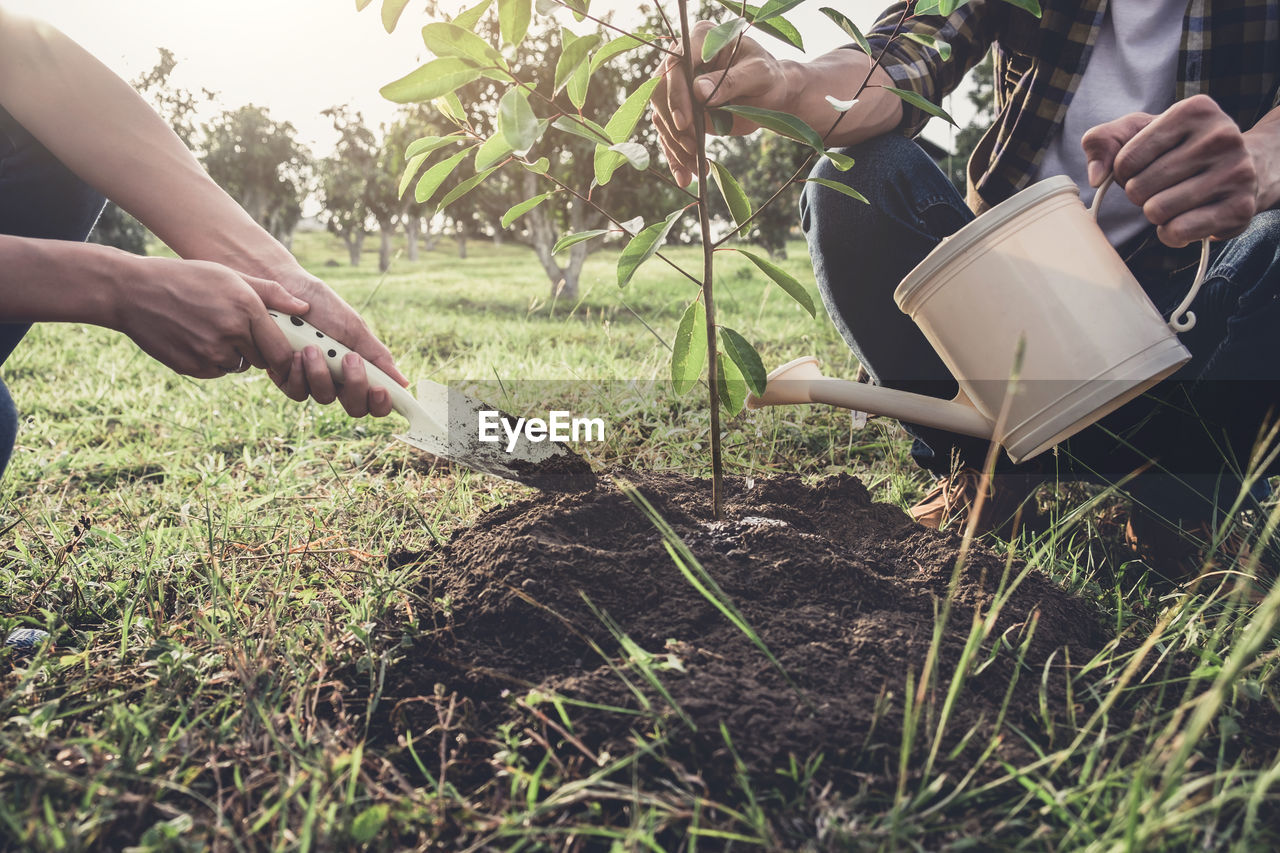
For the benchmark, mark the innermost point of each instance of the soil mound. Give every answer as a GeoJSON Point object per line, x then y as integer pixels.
{"type": "Point", "coordinates": [843, 591]}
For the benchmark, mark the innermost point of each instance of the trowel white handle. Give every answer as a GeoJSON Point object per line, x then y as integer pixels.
{"type": "Point", "coordinates": [1178, 325]}
{"type": "Point", "coordinates": [302, 334]}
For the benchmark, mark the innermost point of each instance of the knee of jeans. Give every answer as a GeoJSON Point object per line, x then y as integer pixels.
{"type": "Point", "coordinates": [8, 427]}
{"type": "Point", "coordinates": [881, 168]}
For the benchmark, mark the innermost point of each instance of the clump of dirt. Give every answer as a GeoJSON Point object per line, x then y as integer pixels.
{"type": "Point", "coordinates": [845, 593]}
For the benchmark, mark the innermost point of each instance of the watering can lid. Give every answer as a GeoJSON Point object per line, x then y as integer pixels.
{"type": "Point", "coordinates": [913, 287]}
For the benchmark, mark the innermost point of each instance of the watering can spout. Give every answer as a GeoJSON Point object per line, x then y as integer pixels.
{"type": "Point", "coordinates": [801, 381]}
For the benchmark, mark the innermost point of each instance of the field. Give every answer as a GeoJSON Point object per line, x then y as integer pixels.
{"type": "Point", "coordinates": [278, 629]}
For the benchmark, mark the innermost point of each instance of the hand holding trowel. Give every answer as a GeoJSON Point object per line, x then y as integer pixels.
{"type": "Point", "coordinates": [445, 422]}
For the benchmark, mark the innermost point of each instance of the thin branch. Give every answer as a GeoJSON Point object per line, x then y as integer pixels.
{"type": "Point", "coordinates": [617, 29]}
{"type": "Point", "coordinates": [609, 216]}
{"type": "Point", "coordinates": [708, 261]}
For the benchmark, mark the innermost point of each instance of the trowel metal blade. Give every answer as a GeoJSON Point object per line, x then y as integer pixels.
{"type": "Point", "coordinates": [545, 465]}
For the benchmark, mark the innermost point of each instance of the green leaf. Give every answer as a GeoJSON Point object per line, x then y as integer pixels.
{"type": "Point", "coordinates": [438, 77]}
{"type": "Point", "coordinates": [520, 209]}
{"type": "Point", "coordinates": [782, 30]}
{"type": "Point", "coordinates": [635, 153]}
{"type": "Point", "coordinates": [574, 239]}
{"type": "Point", "coordinates": [843, 162]}
{"type": "Point", "coordinates": [445, 39]}
{"type": "Point", "coordinates": [369, 823]}
{"type": "Point", "coordinates": [774, 8]}
{"type": "Point", "coordinates": [435, 176]}
{"type": "Point", "coordinates": [451, 106]}
{"type": "Point", "coordinates": [427, 144]}
{"type": "Point", "coordinates": [360, 4]}
{"type": "Point", "coordinates": [493, 150]}
{"type": "Point", "coordinates": [721, 35]}
{"type": "Point", "coordinates": [615, 47]}
{"type": "Point", "coordinates": [779, 28]}
{"type": "Point", "coordinates": [606, 162]}
{"type": "Point", "coordinates": [516, 119]}
{"type": "Point", "coordinates": [736, 200]}
{"type": "Point", "coordinates": [789, 283]}
{"type": "Point", "coordinates": [643, 246]}
{"type": "Point", "coordinates": [787, 125]}
{"type": "Point", "coordinates": [609, 160]}
{"type": "Point", "coordinates": [838, 187]}
{"type": "Point", "coordinates": [391, 11]}
{"type": "Point", "coordinates": [574, 53]}
{"type": "Point", "coordinates": [943, 49]}
{"type": "Point", "coordinates": [415, 162]}
{"type": "Point", "coordinates": [465, 187]}
{"type": "Point", "coordinates": [579, 8]}
{"type": "Point", "coordinates": [920, 103]}
{"type": "Point", "coordinates": [513, 19]}
{"type": "Point", "coordinates": [583, 127]}
{"type": "Point", "coordinates": [929, 7]}
{"type": "Point", "coordinates": [745, 356]}
{"type": "Point", "coordinates": [689, 353]}
{"type": "Point", "coordinates": [1032, 6]}
{"type": "Point", "coordinates": [539, 166]}
{"type": "Point", "coordinates": [470, 18]}
{"type": "Point", "coordinates": [721, 121]}
{"type": "Point", "coordinates": [849, 27]}
{"type": "Point", "coordinates": [576, 88]}
{"type": "Point", "coordinates": [731, 384]}
{"type": "Point", "coordinates": [624, 120]}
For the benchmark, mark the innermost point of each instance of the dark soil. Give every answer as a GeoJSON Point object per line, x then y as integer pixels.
{"type": "Point", "coordinates": [845, 592]}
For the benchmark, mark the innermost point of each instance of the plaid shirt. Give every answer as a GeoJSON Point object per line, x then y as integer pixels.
{"type": "Point", "coordinates": [1230, 51]}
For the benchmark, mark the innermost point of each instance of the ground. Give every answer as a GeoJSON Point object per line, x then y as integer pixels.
{"type": "Point", "coordinates": [276, 628]}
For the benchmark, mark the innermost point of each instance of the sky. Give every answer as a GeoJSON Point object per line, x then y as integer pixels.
{"type": "Point", "coordinates": [299, 57]}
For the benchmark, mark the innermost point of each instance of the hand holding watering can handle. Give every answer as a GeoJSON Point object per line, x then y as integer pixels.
{"type": "Point", "coordinates": [1178, 325]}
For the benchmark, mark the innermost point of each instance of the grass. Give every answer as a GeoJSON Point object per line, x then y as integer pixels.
{"type": "Point", "coordinates": [210, 555]}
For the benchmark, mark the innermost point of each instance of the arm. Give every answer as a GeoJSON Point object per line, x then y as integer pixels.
{"type": "Point", "coordinates": [63, 281]}
{"type": "Point", "coordinates": [756, 78]}
{"type": "Point", "coordinates": [1193, 172]}
{"type": "Point", "coordinates": [105, 133]}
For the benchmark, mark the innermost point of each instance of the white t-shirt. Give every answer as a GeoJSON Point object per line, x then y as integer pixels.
{"type": "Point", "coordinates": [1133, 68]}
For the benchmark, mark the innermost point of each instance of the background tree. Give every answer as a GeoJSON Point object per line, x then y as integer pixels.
{"type": "Point", "coordinates": [570, 158]}
{"type": "Point", "coordinates": [343, 180]}
{"type": "Point", "coordinates": [261, 164]}
{"type": "Point", "coordinates": [412, 123]}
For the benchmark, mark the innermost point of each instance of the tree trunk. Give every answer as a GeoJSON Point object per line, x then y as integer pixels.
{"type": "Point", "coordinates": [411, 224]}
{"type": "Point", "coordinates": [460, 234]}
{"type": "Point", "coordinates": [543, 236]}
{"type": "Point", "coordinates": [385, 232]}
{"type": "Point", "coordinates": [499, 236]}
{"type": "Point", "coordinates": [355, 245]}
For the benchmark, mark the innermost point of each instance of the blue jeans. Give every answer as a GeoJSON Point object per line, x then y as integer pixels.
{"type": "Point", "coordinates": [1200, 425]}
{"type": "Point", "coordinates": [39, 197]}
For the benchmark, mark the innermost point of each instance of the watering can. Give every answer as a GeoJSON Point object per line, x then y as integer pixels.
{"type": "Point", "coordinates": [1035, 315]}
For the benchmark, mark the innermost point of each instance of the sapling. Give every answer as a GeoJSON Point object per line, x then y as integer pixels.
{"type": "Point", "coordinates": [536, 118]}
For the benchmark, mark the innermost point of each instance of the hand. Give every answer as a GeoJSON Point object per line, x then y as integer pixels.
{"type": "Point", "coordinates": [755, 78]}
{"type": "Point", "coordinates": [1190, 169]}
{"type": "Point", "coordinates": [307, 374]}
{"type": "Point", "coordinates": [203, 319]}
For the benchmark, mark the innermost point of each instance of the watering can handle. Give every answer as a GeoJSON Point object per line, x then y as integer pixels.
{"type": "Point", "coordinates": [1175, 321]}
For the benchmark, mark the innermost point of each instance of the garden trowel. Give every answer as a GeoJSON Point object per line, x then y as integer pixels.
{"type": "Point", "coordinates": [445, 422]}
